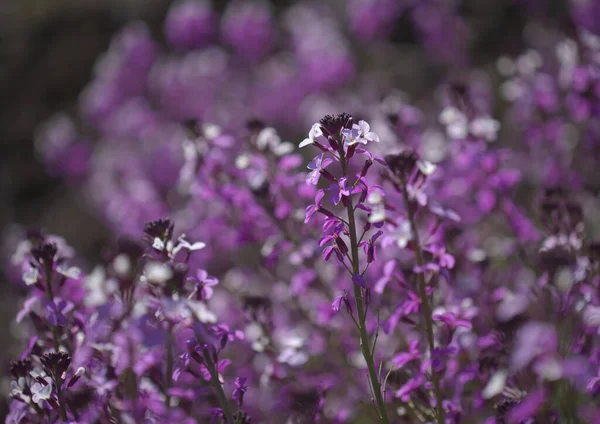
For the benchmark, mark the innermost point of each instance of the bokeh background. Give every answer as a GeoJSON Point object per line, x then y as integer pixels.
{"type": "Point", "coordinates": [47, 52]}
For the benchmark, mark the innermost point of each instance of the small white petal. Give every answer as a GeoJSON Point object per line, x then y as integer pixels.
{"type": "Point", "coordinates": [158, 244]}
{"type": "Point", "coordinates": [378, 215]}
{"type": "Point", "coordinates": [457, 130]}
{"type": "Point", "coordinates": [122, 265]}
{"type": "Point", "coordinates": [242, 161]}
{"type": "Point", "coordinates": [211, 131]}
{"type": "Point", "coordinates": [71, 272]}
{"type": "Point", "coordinates": [496, 384]}
{"type": "Point", "coordinates": [157, 272]}
{"type": "Point", "coordinates": [30, 277]}
{"type": "Point", "coordinates": [374, 198]}
{"type": "Point", "coordinates": [450, 115]}
{"type": "Point", "coordinates": [426, 167]}
{"type": "Point", "coordinates": [371, 136]}
{"type": "Point", "coordinates": [305, 142]}
{"type": "Point", "coordinates": [283, 148]}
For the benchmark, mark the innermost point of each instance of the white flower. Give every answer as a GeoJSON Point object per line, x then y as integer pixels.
{"type": "Point", "coordinates": [403, 234]}
{"type": "Point", "coordinates": [211, 131]}
{"type": "Point", "coordinates": [184, 244]}
{"type": "Point", "coordinates": [314, 133]}
{"type": "Point", "coordinates": [158, 272]}
{"type": "Point", "coordinates": [455, 121]}
{"type": "Point", "coordinates": [360, 133]}
{"type": "Point", "coordinates": [122, 265]}
{"type": "Point", "coordinates": [496, 384]}
{"type": "Point", "coordinates": [242, 161]}
{"type": "Point", "coordinates": [41, 391]}
{"type": "Point", "coordinates": [427, 168]}
{"type": "Point", "coordinates": [99, 289]}
{"type": "Point", "coordinates": [267, 137]}
{"type": "Point", "coordinates": [283, 149]}
{"type": "Point", "coordinates": [375, 199]}
{"type": "Point", "coordinates": [485, 127]}
{"type": "Point", "coordinates": [290, 350]}
{"type": "Point", "coordinates": [202, 312]}
{"type": "Point", "coordinates": [69, 272]}
{"type": "Point", "coordinates": [31, 276]}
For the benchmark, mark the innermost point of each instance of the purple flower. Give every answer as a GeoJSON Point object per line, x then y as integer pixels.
{"type": "Point", "coordinates": [403, 358]}
{"type": "Point", "coordinates": [533, 339]}
{"type": "Point", "coordinates": [190, 24]}
{"type": "Point", "coordinates": [240, 390]}
{"type": "Point", "coordinates": [338, 191]}
{"type": "Point", "coordinates": [317, 167]}
{"type": "Point", "coordinates": [359, 280]}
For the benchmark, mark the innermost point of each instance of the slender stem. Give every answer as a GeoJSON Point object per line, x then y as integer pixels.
{"type": "Point", "coordinates": [364, 337]}
{"type": "Point", "coordinates": [214, 374]}
{"type": "Point", "coordinates": [61, 404]}
{"type": "Point", "coordinates": [427, 315]}
{"type": "Point", "coordinates": [50, 294]}
{"type": "Point", "coordinates": [169, 371]}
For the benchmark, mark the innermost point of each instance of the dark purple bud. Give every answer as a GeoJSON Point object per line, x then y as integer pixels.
{"type": "Point", "coordinates": [223, 341]}
{"type": "Point", "coordinates": [320, 146]}
{"type": "Point", "coordinates": [325, 173]}
{"type": "Point", "coordinates": [333, 124]}
{"type": "Point", "coordinates": [366, 167]}
{"type": "Point", "coordinates": [161, 229]}
{"type": "Point", "coordinates": [341, 245]}
{"type": "Point", "coordinates": [255, 125]}
{"type": "Point", "coordinates": [367, 296]}
{"type": "Point", "coordinates": [333, 142]}
{"type": "Point", "coordinates": [325, 212]}
{"type": "Point", "coordinates": [80, 371]}
{"type": "Point", "coordinates": [351, 150]}
{"type": "Point", "coordinates": [44, 253]}
{"type": "Point", "coordinates": [56, 363]}
{"type": "Point", "coordinates": [370, 253]}
{"type": "Point", "coordinates": [261, 192]}
{"type": "Point", "coordinates": [402, 164]}
{"type": "Point", "coordinates": [594, 251]}
{"type": "Point", "coordinates": [348, 305]}
{"type": "Point", "coordinates": [20, 368]}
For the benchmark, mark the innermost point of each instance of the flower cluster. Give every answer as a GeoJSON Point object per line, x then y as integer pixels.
{"type": "Point", "coordinates": [435, 261]}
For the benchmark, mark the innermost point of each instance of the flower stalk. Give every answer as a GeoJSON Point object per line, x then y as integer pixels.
{"type": "Point", "coordinates": [424, 299]}
{"type": "Point", "coordinates": [362, 318]}
{"type": "Point", "coordinates": [216, 382]}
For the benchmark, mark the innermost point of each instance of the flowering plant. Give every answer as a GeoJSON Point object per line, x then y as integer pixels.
{"type": "Point", "coordinates": [426, 269]}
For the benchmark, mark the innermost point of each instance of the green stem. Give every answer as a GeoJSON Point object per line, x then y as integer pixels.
{"type": "Point", "coordinates": [169, 372]}
{"type": "Point", "coordinates": [50, 294]}
{"type": "Point", "coordinates": [61, 405]}
{"type": "Point", "coordinates": [364, 337]}
{"type": "Point", "coordinates": [214, 374]}
{"type": "Point", "coordinates": [427, 315]}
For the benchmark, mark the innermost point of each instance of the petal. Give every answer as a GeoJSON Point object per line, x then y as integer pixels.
{"type": "Point", "coordinates": [319, 196]}
{"type": "Point", "coordinates": [364, 126]}
{"type": "Point", "coordinates": [326, 162]}
{"type": "Point", "coordinates": [315, 132]}
{"type": "Point", "coordinates": [359, 280]}
{"type": "Point", "coordinates": [372, 137]}
{"type": "Point", "coordinates": [305, 142]}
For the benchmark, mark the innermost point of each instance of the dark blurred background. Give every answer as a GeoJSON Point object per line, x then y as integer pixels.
{"type": "Point", "coordinates": [47, 52]}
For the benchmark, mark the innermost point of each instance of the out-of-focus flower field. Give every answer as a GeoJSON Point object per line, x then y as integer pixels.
{"type": "Point", "coordinates": [362, 211]}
